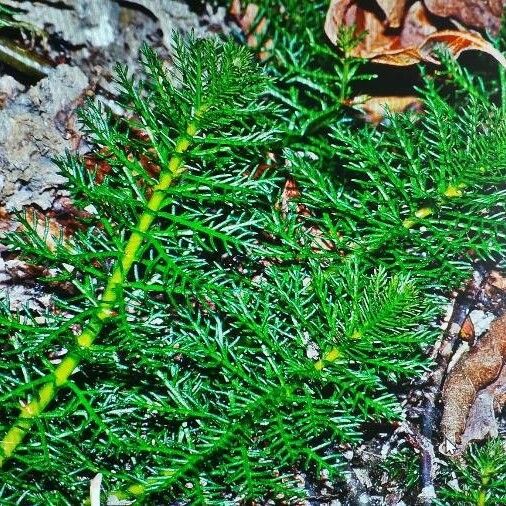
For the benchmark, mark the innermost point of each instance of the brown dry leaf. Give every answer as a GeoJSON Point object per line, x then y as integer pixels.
{"type": "Point", "coordinates": [375, 108]}
{"type": "Point", "coordinates": [291, 192]}
{"type": "Point", "coordinates": [348, 13]}
{"type": "Point", "coordinates": [5, 220]}
{"type": "Point", "coordinates": [477, 13]}
{"type": "Point", "coordinates": [475, 370]}
{"type": "Point", "coordinates": [414, 42]}
{"type": "Point", "coordinates": [497, 280]}
{"type": "Point", "coordinates": [458, 42]}
{"type": "Point", "coordinates": [394, 11]}
{"type": "Point", "coordinates": [482, 422]}
{"type": "Point", "coordinates": [416, 27]}
{"type": "Point", "coordinates": [46, 229]}
{"type": "Point", "coordinates": [467, 331]}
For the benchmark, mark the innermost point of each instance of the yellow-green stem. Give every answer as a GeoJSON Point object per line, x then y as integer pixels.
{"type": "Point", "coordinates": [30, 411]}
{"type": "Point", "coordinates": [482, 494]}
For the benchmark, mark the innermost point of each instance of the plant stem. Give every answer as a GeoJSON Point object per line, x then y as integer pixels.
{"type": "Point", "coordinates": [104, 311]}
{"type": "Point", "coordinates": [482, 494]}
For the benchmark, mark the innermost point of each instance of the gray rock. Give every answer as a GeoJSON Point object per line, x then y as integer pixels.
{"type": "Point", "coordinates": [177, 16]}
{"type": "Point", "coordinates": [58, 91]}
{"type": "Point", "coordinates": [9, 88]}
{"type": "Point", "coordinates": [91, 22]}
{"type": "Point", "coordinates": [30, 138]}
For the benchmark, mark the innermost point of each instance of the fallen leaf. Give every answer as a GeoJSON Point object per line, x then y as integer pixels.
{"type": "Point", "coordinates": [374, 109]}
{"type": "Point", "coordinates": [290, 193]}
{"type": "Point", "coordinates": [417, 26]}
{"type": "Point", "coordinates": [467, 331]}
{"type": "Point", "coordinates": [497, 280]}
{"type": "Point", "coordinates": [394, 11]}
{"type": "Point", "coordinates": [348, 13]}
{"type": "Point", "coordinates": [6, 222]}
{"type": "Point", "coordinates": [475, 370]}
{"type": "Point", "coordinates": [457, 42]}
{"type": "Point", "coordinates": [482, 422]}
{"type": "Point", "coordinates": [476, 13]}
{"type": "Point", "coordinates": [415, 41]}
{"type": "Point", "coordinates": [46, 228]}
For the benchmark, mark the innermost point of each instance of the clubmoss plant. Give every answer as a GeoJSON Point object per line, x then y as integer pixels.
{"type": "Point", "coordinates": [210, 335]}
{"type": "Point", "coordinates": [479, 478]}
{"type": "Point", "coordinates": [313, 78]}
{"type": "Point", "coordinates": [425, 194]}
{"type": "Point", "coordinates": [187, 361]}
{"type": "Point", "coordinates": [8, 20]}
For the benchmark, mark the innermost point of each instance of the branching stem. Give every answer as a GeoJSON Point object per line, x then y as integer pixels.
{"type": "Point", "coordinates": [104, 311]}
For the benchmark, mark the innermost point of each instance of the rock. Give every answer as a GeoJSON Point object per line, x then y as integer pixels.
{"type": "Point", "coordinates": [171, 16]}
{"type": "Point", "coordinates": [54, 94]}
{"type": "Point", "coordinates": [92, 22]}
{"type": "Point", "coordinates": [481, 321]}
{"type": "Point", "coordinates": [30, 138]}
{"type": "Point", "coordinates": [9, 89]}
{"type": "Point", "coordinates": [177, 16]}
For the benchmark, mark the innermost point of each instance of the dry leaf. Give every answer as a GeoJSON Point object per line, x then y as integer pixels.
{"type": "Point", "coordinates": [497, 280]}
{"type": "Point", "coordinates": [467, 331]}
{"type": "Point", "coordinates": [47, 229]}
{"type": "Point", "coordinates": [476, 13]}
{"type": "Point", "coordinates": [414, 42]}
{"type": "Point", "coordinates": [482, 422]}
{"type": "Point", "coordinates": [458, 42]}
{"type": "Point", "coordinates": [348, 13]}
{"type": "Point", "coordinates": [394, 11]}
{"type": "Point", "coordinates": [416, 27]}
{"type": "Point", "coordinates": [291, 192]}
{"type": "Point", "coordinates": [375, 108]}
{"type": "Point", "coordinates": [475, 370]}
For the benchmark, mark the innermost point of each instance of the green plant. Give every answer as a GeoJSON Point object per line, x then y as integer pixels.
{"type": "Point", "coordinates": [209, 333]}
{"type": "Point", "coordinates": [402, 467]}
{"type": "Point", "coordinates": [480, 477]}
{"type": "Point", "coordinates": [423, 195]}
{"type": "Point", "coordinates": [8, 19]}
{"type": "Point", "coordinates": [313, 79]}
{"type": "Point", "coordinates": [193, 372]}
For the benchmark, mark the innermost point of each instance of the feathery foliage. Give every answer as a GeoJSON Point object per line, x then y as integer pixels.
{"type": "Point", "coordinates": [8, 20]}
{"type": "Point", "coordinates": [313, 80]}
{"type": "Point", "coordinates": [424, 194]}
{"type": "Point", "coordinates": [203, 366]}
{"type": "Point", "coordinates": [479, 478]}
{"type": "Point", "coordinates": [213, 337]}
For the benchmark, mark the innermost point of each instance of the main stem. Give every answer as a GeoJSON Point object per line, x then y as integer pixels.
{"type": "Point", "coordinates": [104, 311]}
